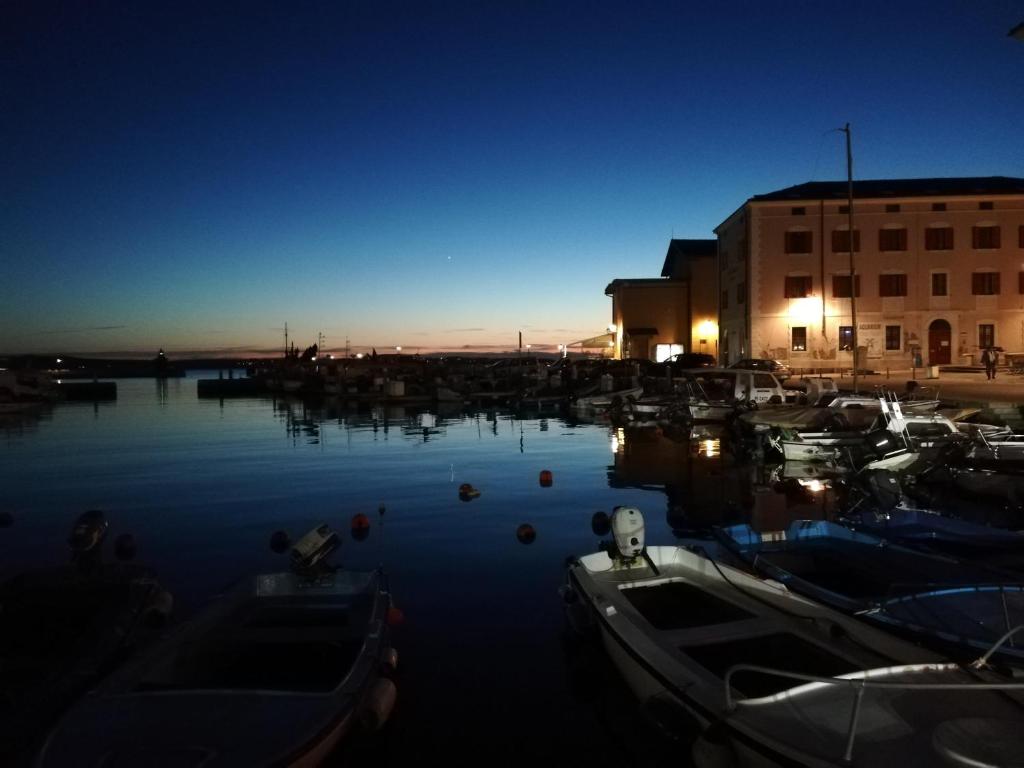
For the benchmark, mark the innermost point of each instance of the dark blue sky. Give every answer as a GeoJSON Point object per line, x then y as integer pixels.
{"type": "Point", "coordinates": [429, 174]}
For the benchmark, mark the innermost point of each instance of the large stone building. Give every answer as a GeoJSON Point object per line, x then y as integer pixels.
{"type": "Point", "coordinates": [939, 267]}
{"type": "Point", "coordinates": [677, 312]}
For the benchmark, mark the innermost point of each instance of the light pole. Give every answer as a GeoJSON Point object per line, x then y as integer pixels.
{"type": "Point", "coordinates": [849, 232]}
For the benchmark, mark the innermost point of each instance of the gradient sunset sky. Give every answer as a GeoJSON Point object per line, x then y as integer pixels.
{"type": "Point", "coordinates": [193, 176]}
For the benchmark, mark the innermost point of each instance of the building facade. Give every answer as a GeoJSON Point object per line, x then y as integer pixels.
{"type": "Point", "coordinates": [938, 273]}
{"type": "Point", "coordinates": [657, 317]}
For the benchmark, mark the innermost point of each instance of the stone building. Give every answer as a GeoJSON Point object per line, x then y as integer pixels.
{"type": "Point", "coordinates": [677, 312]}
{"type": "Point", "coordinates": [938, 263]}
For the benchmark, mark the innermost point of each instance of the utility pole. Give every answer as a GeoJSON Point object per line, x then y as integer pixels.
{"type": "Point", "coordinates": [849, 225]}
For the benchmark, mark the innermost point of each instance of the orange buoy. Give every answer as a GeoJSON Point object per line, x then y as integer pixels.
{"type": "Point", "coordinates": [360, 526]}
{"type": "Point", "coordinates": [395, 617]}
{"type": "Point", "coordinates": [467, 492]}
{"type": "Point", "coordinates": [546, 478]}
{"type": "Point", "coordinates": [526, 534]}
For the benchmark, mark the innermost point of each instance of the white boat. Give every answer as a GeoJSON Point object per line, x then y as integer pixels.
{"type": "Point", "coordinates": [274, 673]}
{"type": "Point", "coordinates": [775, 679]}
{"type": "Point", "coordinates": [604, 400]}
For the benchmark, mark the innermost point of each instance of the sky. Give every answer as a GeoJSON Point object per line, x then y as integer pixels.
{"type": "Point", "coordinates": [441, 175]}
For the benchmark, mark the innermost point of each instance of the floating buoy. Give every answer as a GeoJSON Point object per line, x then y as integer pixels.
{"type": "Point", "coordinates": [600, 524]}
{"type": "Point", "coordinates": [279, 542]}
{"type": "Point", "coordinates": [6, 519]}
{"type": "Point", "coordinates": [526, 534]}
{"type": "Point", "coordinates": [546, 478]}
{"type": "Point", "coordinates": [467, 492]}
{"type": "Point", "coordinates": [360, 526]}
{"type": "Point", "coordinates": [395, 617]}
{"type": "Point", "coordinates": [125, 547]}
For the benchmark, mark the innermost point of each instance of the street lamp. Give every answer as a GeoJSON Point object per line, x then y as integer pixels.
{"type": "Point", "coordinates": [398, 350]}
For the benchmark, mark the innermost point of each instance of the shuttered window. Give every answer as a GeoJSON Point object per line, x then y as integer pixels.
{"type": "Point", "coordinates": [892, 285]}
{"type": "Point", "coordinates": [798, 286]}
{"type": "Point", "coordinates": [985, 283]}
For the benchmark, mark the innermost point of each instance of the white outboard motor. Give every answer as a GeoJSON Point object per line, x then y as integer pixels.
{"type": "Point", "coordinates": [628, 531]}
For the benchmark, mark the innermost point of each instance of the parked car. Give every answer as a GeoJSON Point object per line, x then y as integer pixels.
{"type": "Point", "coordinates": [780, 370]}
{"type": "Point", "coordinates": [739, 384]}
{"type": "Point", "coordinates": [692, 360]}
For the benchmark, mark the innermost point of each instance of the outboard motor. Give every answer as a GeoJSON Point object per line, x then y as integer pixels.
{"type": "Point", "coordinates": [882, 442]}
{"type": "Point", "coordinates": [884, 488]}
{"type": "Point", "coordinates": [628, 532]}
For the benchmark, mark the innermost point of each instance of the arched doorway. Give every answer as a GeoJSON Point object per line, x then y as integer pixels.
{"type": "Point", "coordinates": [940, 337]}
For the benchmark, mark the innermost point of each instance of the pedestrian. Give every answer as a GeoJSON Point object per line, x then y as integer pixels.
{"type": "Point", "coordinates": [988, 359]}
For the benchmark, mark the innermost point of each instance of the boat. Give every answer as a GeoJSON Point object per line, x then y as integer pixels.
{"type": "Point", "coordinates": [605, 400]}
{"type": "Point", "coordinates": [275, 672]}
{"type": "Point", "coordinates": [863, 575]}
{"type": "Point", "coordinates": [63, 627]}
{"type": "Point", "coordinates": [906, 525]}
{"type": "Point", "coordinates": [771, 678]}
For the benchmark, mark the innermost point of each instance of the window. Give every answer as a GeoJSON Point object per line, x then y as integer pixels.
{"type": "Point", "coordinates": [741, 293]}
{"type": "Point", "coordinates": [765, 381]}
{"type": "Point", "coordinates": [893, 337]}
{"type": "Point", "coordinates": [841, 240]}
{"type": "Point", "coordinates": [844, 209]}
{"type": "Point", "coordinates": [798, 286]}
{"type": "Point", "coordinates": [939, 286]}
{"type": "Point", "coordinates": [986, 335]}
{"type": "Point", "coordinates": [799, 211]}
{"type": "Point", "coordinates": [1020, 282]}
{"type": "Point", "coordinates": [938, 239]}
{"type": "Point", "coordinates": [892, 239]}
{"type": "Point", "coordinates": [800, 339]}
{"type": "Point", "coordinates": [985, 283]}
{"type": "Point", "coordinates": [892, 207]}
{"type": "Point", "coordinates": [845, 338]}
{"type": "Point", "coordinates": [1020, 236]}
{"type": "Point", "coordinates": [985, 205]}
{"type": "Point", "coordinates": [725, 299]}
{"type": "Point", "coordinates": [841, 286]}
{"type": "Point", "coordinates": [799, 242]}
{"type": "Point", "coordinates": [938, 206]}
{"type": "Point", "coordinates": [892, 285]}
{"type": "Point", "coordinates": [985, 237]}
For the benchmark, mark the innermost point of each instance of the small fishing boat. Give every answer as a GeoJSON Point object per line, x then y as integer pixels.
{"type": "Point", "coordinates": [771, 678]}
{"type": "Point", "coordinates": [274, 673]}
{"type": "Point", "coordinates": [925, 527]}
{"type": "Point", "coordinates": [966, 606]}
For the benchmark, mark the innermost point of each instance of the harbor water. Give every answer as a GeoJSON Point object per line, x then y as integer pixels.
{"type": "Point", "coordinates": [487, 667]}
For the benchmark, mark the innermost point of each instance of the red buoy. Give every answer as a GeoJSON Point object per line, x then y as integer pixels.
{"type": "Point", "coordinates": [395, 617]}
{"type": "Point", "coordinates": [546, 478]}
{"type": "Point", "coordinates": [360, 526]}
{"type": "Point", "coordinates": [526, 534]}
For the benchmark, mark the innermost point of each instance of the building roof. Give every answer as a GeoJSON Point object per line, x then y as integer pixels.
{"type": "Point", "coordinates": [868, 188]}
{"type": "Point", "coordinates": [637, 282]}
{"type": "Point", "coordinates": [680, 251]}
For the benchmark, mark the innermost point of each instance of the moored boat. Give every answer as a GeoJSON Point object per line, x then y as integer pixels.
{"type": "Point", "coordinates": [275, 672]}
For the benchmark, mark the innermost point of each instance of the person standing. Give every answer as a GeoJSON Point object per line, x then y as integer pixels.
{"type": "Point", "coordinates": [988, 359]}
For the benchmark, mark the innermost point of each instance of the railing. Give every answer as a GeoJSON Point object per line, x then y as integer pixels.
{"type": "Point", "coordinates": [860, 684]}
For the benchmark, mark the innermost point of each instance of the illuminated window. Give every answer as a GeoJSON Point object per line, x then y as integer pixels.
{"type": "Point", "coordinates": [939, 284]}
{"type": "Point", "coordinates": [841, 286]}
{"type": "Point", "coordinates": [986, 335]}
{"type": "Point", "coordinates": [798, 286]}
{"type": "Point", "coordinates": [892, 239]}
{"type": "Point", "coordinates": [893, 337]}
{"type": "Point", "coordinates": [800, 339]}
{"type": "Point", "coordinates": [841, 240]}
{"type": "Point", "coordinates": [985, 237]}
{"type": "Point", "coordinates": [892, 285]}
{"type": "Point", "coordinates": [938, 239]}
{"type": "Point", "coordinates": [985, 283]}
{"type": "Point", "coordinates": [845, 338]}
{"type": "Point", "coordinates": [799, 242]}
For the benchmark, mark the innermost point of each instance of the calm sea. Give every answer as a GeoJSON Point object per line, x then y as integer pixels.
{"type": "Point", "coordinates": [486, 668]}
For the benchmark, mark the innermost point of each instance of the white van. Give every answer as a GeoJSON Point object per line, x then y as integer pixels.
{"type": "Point", "coordinates": [737, 384]}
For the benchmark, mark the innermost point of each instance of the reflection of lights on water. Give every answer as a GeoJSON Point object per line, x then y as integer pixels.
{"type": "Point", "coordinates": [711, 448]}
{"type": "Point", "coordinates": [814, 485]}
{"type": "Point", "coordinates": [618, 439]}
